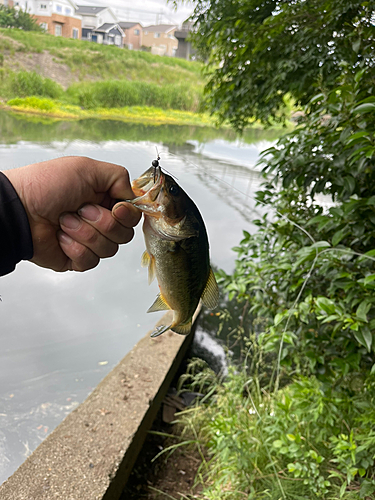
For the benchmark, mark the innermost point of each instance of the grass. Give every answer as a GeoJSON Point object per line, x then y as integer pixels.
{"type": "Point", "coordinates": [135, 114]}
{"type": "Point", "coordinates": [87, 59]}
{"type": "Point", "coordinates": [296, 443]}
{"type": "Point", "coordinates": [119, 93]}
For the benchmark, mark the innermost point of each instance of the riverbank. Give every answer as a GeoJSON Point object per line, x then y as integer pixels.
{"type": "Point", "coordinates": [134, 114]}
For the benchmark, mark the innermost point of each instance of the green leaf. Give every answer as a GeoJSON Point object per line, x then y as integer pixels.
{"type": "Point", "coordinates": [363, 309]}
{"type": "Point", "coordinates": [277, 443]}
{"type": "Point", "coordinates": [356, 45]}
{"type": "Point", "coordinates": [369, 279]}
{"type": "Point", "coordinates": [278, 318]}
{"type": "Point", "coordinates": [338, 236]}
{"type": "Point", "coordinates": [367, 107]}
{"type": "Point", "coordinates": [321, 244]}
{"type": "Point", "coordinates": [349, 184]}
{"type": "Point", "coordinates": [364, 337]}
{"type": "Point", "coordinates": [326, 305]}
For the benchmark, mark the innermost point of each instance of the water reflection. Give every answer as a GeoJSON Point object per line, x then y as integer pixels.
{"type": "Point", "coordinates": [61, 333]}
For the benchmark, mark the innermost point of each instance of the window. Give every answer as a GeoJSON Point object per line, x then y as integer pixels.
{"type": "Point", "coordinates": [136, 32]}
{"type": "Point", "coordinates": [58, 8]}
{"type": "Point", "coordinates": [58, 30]}
{"type": "Point", "coordinates": [44, 26]}
{"type": "Point", "coordinates": [42, 6]}
{"type": "Point", "coordinates": [68, 11]}
{"type": "Point", "coordinates": [75, 32]}
{"type": "Point", "coordinates": [156, 35]}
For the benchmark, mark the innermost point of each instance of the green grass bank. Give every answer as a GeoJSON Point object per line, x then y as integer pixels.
{"type": "Point", "coordinates": [68, 78]}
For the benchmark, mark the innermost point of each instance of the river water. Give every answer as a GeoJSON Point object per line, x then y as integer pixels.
{"type": "Point", "coordinates": [62, 333]}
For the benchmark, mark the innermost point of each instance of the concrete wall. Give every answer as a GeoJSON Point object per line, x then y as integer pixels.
{"type": "Point", "coordinates": [89, 456]}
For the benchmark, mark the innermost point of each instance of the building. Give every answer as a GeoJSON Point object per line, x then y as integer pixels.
{"type": "Point", "coordinates": [57, 17]}
{"type": "Point", "coordinates": [108, 34]}
{"type": "Point", "coordinates": [185, 49]}
{"type": "Point", "coordinates": [132, 34]}
{"type": "Point", "coordinates": [94, 17]}
{"type": "Point", "coordinates": [161, 39]}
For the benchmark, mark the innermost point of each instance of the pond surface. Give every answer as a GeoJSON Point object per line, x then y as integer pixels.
{"type": "Point", "coordinates": [62, 333]}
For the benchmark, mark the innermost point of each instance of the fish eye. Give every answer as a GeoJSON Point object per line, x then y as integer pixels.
{"type": "Point", "coordinates": [174, 190]}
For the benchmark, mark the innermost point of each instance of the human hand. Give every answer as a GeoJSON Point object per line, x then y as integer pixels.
{"type": "Point", "coordinates": [71, 207]}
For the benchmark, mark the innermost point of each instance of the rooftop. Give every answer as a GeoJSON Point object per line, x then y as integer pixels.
{"type": "Point", "coordinates": [160, 28]}
{"type": "Point", "coordinates": [86, 9]}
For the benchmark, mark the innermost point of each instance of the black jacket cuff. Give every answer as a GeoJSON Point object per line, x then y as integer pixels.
{"type": "Point", "coordinates": [15, 235]}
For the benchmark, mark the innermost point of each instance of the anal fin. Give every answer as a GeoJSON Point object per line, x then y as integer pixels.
{"type": "Point", "coordinates": [159, 305]}
{"type": "Point", "coordinates": [183, 329]}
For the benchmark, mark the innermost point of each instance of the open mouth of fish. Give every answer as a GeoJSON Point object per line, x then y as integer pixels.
{"type": "Point", "coordinates": [150, 182]}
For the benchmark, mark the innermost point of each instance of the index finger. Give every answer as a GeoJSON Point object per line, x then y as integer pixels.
{"type": "Point", "coordinates": [126, 213]}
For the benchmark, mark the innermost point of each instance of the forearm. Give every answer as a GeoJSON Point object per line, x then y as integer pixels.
{"type": "Point", "coordinates": [15, 235]}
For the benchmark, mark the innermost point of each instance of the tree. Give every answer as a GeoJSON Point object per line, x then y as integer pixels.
{"type": "Point", "coordinates": [17, 18]}
{"type": "Point", "coordinates": [261, 51]}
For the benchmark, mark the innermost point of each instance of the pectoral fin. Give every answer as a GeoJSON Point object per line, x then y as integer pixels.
{"type": "Point", "coordinates": [145, 259]}
{"type": "Point", "coordinates": [148, 260]}
{"type": "Point", "coordinates": [210, 295]}
{"type": "Point", "coordinates": [158, 305]}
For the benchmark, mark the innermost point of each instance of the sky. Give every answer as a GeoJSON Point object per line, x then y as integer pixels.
{"type": "Point", "coordinates": [146, 12]}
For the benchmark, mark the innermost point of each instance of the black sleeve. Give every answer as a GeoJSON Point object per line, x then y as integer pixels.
{"type": "Point", "coordinates": [15, 236]}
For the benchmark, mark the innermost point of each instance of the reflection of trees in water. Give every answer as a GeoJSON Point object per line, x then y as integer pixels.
{"type": "Point", "coordinates": [15, 127]}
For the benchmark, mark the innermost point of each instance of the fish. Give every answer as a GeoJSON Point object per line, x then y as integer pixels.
{"type": "Point", "coordinates": [177, 249]}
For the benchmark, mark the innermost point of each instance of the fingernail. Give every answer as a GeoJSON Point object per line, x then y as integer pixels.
{"type": "Point", "coordinates": [70, 221]}
{"type": "Point", "coordinates": [64, 238]}
{"type": "Point", "coordinates": [121, 212]}
{"type": "Point", "coordinates": [89, 212]}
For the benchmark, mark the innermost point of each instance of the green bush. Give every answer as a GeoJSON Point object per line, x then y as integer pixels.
{"type": "Point", "coordinates": [303, 409]}
{"type": "Point", "coordinates": [120, 93]}
{"type": "Point", "coordinates": [25, 84]}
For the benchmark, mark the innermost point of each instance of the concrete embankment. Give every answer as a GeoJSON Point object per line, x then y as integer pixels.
{"type": "Point", "coordinates": [91, 453]}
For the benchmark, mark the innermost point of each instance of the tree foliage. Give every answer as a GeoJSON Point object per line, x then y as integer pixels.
{"type": "Point", "coordinates": [17, 18]}
{"type": "Point", "coordinates": [261, 51]}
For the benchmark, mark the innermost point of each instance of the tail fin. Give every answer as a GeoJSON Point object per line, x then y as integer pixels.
{"type": "Point", "coordinates": [159, 330]}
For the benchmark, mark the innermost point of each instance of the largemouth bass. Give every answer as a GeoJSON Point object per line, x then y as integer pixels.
{"type": "Point", "coordinates": [177, 250]}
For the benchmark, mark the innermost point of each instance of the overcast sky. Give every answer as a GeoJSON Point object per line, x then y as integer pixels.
{"type": "Point", "coordinates": [145, 11]}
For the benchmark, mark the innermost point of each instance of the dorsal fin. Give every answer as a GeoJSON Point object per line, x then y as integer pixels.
{"type": "Point", "coordinates": [159, 305]}
{"type": "Point", "coordinates": [210, 295]}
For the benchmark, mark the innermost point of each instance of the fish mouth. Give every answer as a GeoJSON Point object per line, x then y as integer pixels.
{"type": "Point", "coordinates": [147, 181]}
{"type": "Point", "coordinates": [147, 188]}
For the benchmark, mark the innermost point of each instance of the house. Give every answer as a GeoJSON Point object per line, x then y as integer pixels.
{"type": "Point", "coordinates": [133, 34]}
{"type": "Point", "coordinates": [161, 39]}
{"type": "Point", "coordinates": [108, 34]}
{"type": "Point", "coordinates": [57, 17]}
{"type": "Point", "coordinates": [94, 17]}
{"type": "Point", "coordinates": [185, 49]}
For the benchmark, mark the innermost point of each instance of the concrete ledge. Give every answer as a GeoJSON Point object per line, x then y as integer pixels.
{"type": "Point", "coordinates": [91, 453]}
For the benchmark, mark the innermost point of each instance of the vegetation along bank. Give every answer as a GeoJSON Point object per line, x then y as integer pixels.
{"type": "Point", "coordinates": [69, 78]}
{"type": "Point", "coordinates": [294, 419]}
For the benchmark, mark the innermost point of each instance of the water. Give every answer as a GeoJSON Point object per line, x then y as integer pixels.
{"type": "Point", "coordinates": [62, 333]}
